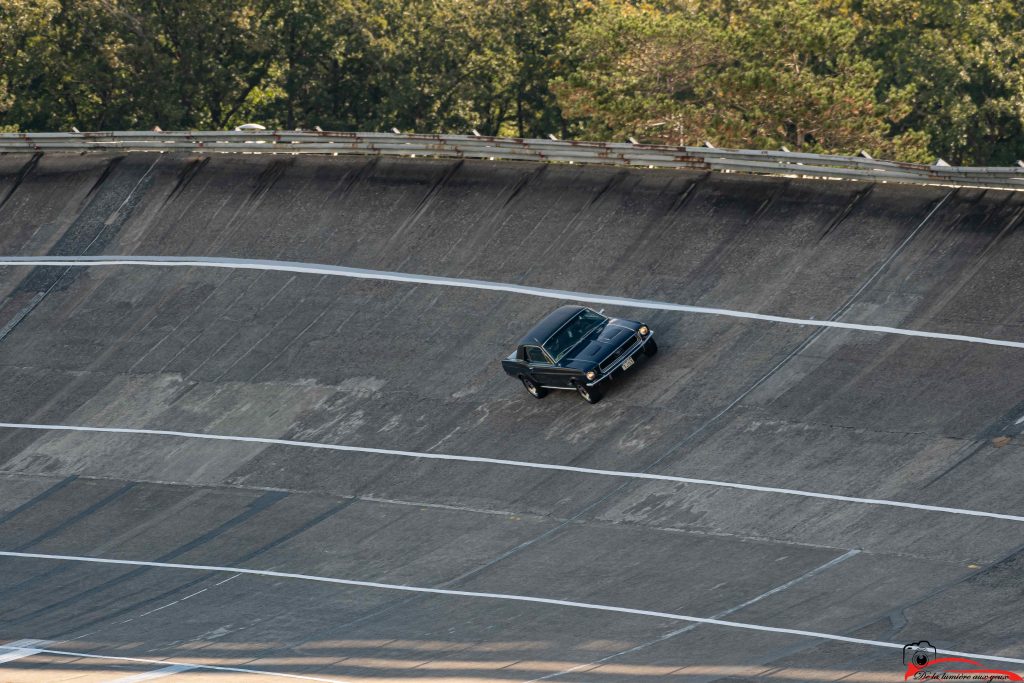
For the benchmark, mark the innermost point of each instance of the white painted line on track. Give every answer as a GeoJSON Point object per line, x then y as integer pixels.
{"type": "Point", "coordinates": [158, 673]}
{"type": "Point", "coordinates": [495, 596]}
{"type": "Point", "coordinates": [230, 578]}
{"type": "Point", "coordinates": [366, 274]}
{"type": "Point", "coordinates": [16, 653]}
{"type": "Point", "coordinates": [19, 649]}
{"type": "Point", "coordinates": [520, 463]}
{"type": "Point", "coordinates": [190, 665]}
{"type": "Point", "coordinates": [789, 584]}
{"type": "Point", "coordinates": [146, 614]}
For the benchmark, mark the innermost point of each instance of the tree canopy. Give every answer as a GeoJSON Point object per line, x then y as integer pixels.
{"type": "Point", "coordinates": [904, 79]}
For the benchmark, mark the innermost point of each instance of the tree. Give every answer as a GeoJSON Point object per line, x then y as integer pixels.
{"type": "Point", "coordinates": [643, 71]}
{"type": "Point", "coordinates": [536, 32]}
{"type": "Point", "coordinates": [960, 62]}
{"type": "Point", "coordinates": [60, 62]}
{"type": "Point", "coordinates": [744, 74]}
{"type": "Point", "coordinates": [206, 56]}
{"type": "Point", "coordinates": [800, 80]}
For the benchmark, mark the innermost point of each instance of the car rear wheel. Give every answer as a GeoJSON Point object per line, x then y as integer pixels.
{"type": "Point", "coordinates": [589, 394]}
{"type": "Point", "coordinates": [651, 348]}
{"type": "Point", "coordinates": [533, 389]}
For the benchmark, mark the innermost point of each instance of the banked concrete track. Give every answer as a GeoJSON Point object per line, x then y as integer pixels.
{"type": "Point", "coordinates": [812, 587]}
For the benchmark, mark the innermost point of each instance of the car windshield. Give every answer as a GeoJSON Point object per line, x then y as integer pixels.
{"type": "Point", "coordinates": [572, 332]}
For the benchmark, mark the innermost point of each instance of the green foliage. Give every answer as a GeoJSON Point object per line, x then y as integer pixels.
{"type": "Point", "coordinates": [644, 72]}
{"type": "Point", "coordinates": [776, 73]}
{"type": "Point", "coordinates": [59, 63]}
{"type": "Point", "coordinates": [960, 62]}
{"type": "Point", "coordinates": [905, 79]}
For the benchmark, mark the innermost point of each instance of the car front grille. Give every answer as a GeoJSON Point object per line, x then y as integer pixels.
{"type": "Point", "coordinates": [617, 355]}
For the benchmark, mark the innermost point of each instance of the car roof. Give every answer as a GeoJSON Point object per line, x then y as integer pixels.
{"type": "Point", "coordinates": [543, 330]}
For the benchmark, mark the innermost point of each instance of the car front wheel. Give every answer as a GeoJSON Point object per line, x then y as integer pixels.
{"type": "Point", "coordinates": [651, 348]}
{"type": "Point", "coordinates": [533, 389]}
{"type": "Point", "coordinates": [589, 394]}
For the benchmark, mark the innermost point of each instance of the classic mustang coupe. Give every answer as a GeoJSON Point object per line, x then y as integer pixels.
{"type": "Point", "coordinates": [578, 349]}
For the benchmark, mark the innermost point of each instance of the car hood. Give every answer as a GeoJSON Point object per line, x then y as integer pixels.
{"type": "Point", "coordinates": [600, 344]}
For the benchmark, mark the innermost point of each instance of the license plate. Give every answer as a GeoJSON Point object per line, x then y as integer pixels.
{"type": "Point", "coordinates": [628, 364]}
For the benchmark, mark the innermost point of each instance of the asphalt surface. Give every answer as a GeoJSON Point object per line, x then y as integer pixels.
{"type": "Point", "coordinates": [415, 367]}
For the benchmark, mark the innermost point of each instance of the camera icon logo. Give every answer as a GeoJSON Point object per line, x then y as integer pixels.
{"type": "Point", "coordinates": [920, 654]}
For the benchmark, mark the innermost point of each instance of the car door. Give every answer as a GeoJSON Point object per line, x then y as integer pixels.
{"type": "Point", "coordinates": [540, 366]}
{"type": "Point", "coordinates": [544, 372]}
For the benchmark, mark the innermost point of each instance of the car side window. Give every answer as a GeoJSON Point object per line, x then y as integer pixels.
{"type": "Point", "coordinates": [535, 355]}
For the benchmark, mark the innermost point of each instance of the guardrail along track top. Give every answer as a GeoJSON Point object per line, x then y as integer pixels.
{"type": "Point", "coordinates": [225, 467]}
{"type": "Point", "coordinates": [764, 162]}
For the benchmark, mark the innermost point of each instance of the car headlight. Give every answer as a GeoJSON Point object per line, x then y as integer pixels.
{"type": "Point", "coordinates": [591, 375]}
{"type": "Point", "coordinates": [644, 330]}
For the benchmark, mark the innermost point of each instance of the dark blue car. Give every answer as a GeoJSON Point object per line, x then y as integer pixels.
{"type": "Point", "coordinates": [578, 349]}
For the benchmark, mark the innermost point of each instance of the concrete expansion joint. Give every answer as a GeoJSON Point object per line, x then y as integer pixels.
{"type": "Point", "coordinates": [861, 428]}
{"type": "Point", "coordinates": [999, 442]}
{"type": "Point", "coordinates": [522, 516]}
{"type": "Point", "coordinates": [36, 368]}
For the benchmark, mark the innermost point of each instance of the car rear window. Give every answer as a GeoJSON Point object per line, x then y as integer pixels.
{"type": "Point", "coordinates": [570, 334]}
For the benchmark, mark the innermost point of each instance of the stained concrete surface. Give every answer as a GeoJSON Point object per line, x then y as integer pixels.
{"type": "Point", "coordinates": [415, 367]}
